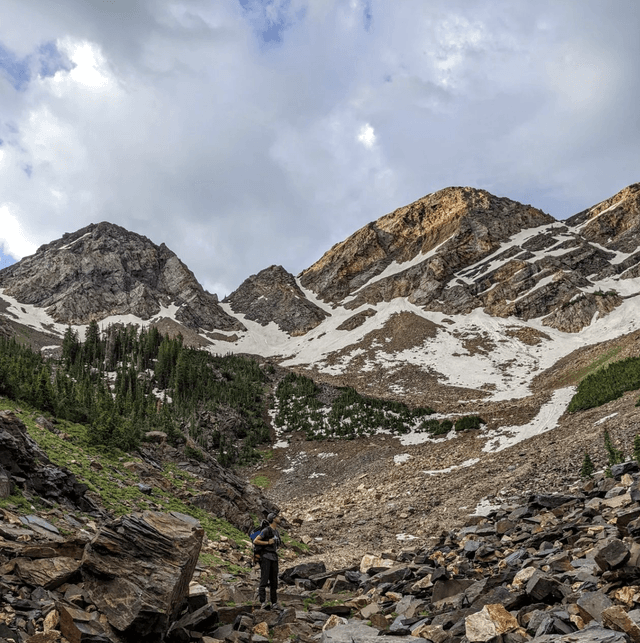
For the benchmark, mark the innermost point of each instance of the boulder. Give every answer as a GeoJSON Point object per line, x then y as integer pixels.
{"type": "Point", "coordinates": [611, 555]}
{"type": "Point", "coordinates": [356, 632]}
{"type": "Point", "coordinates": [490, 621]}
{"type": "Point", "coordinates": [616, 618]}
{"type": "Point", "coordinates": [138, 568]}
{"type": "Point", "coordinates": [305, 571]}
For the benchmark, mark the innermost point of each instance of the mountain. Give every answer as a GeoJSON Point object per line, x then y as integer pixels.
{"type": "Point", "coordinates": [274, 296]}
{"type": "Point", "coordinates": [104, 270]}
{"type": "Point", "coordinates": [460, 297]}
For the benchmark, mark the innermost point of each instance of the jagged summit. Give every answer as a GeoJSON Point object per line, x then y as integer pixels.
{"type": "Point", "coordinates": [104, 270]}
{"type": "Point", "coordinates": [412, 250]}
{"type": "Point", "coordinates": [274, 296]}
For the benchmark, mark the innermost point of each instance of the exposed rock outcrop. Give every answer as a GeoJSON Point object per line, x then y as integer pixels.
{"type": "Point", "coordinates": [27, 466]}
{"type": "Point", "coordinates": [274, 296]}
{"type": "Point", "coordinates": [439, 234]}
{"type": "Point", "coordinates": [104, 270]}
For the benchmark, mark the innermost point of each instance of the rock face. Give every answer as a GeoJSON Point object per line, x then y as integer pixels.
{"type": "Point", "coordinates": [24, 464]}
{"type": "Point", "coordinates": [104, 270]}
{"type": "Point", "coordinates": [462, 248]}
{"type": "Point", "coordinates": [455, 227]}
{"type": "Point", "coordinates": [128, 584]}
{"type": "Point", "coordinates": [274, 296]}
{"type": "Point", "coordinates": [137, 571]}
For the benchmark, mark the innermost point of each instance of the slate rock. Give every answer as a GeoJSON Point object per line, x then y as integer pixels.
{"type": "Point", "coordinates": [592, 604]}
{"type": "Point", "coordinates": [78, 626]}
{"type": "Point", "coordinates": [48, 573]}
{"type": "Point", "coordinates": [445, 588]}
{"type": "Point", "coordinates": [201, 620]}
{"type": "Point", "coordinates": [138, 567]}
{"type": "Point", "coordinates": [594, 634]}
{"type": "Point", "coordinates": [541, 587]}
{"type": "Point", "coordinates": [618, 470]}
{"type": "Point", "coordinates": [356, 632]}
{"type": "Point", "coordinates": [611, 555]}
{"type": "Point", "coordinates": [306, 571]}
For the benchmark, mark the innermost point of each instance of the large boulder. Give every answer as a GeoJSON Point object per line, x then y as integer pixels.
{"type": "Point", "coordinates": [138, 568]}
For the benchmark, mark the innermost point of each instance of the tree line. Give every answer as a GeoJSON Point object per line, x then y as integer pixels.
{"type": "Point", "coordinates": [124, 381]}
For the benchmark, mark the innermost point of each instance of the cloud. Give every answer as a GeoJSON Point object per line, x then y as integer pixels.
{"type": "Point", "coordinates": [367, 135]}
{"type": "Point", "coordinates": [15, 241]}
{"type": "Point", "coordinates": [244, 133]}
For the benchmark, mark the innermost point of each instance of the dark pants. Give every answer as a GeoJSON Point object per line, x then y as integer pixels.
{"type": "Point", "coordinates": [268, 576]}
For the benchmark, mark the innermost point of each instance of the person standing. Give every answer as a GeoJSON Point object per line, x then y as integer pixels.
{"type": "Point", "coordinates": [269, 541]}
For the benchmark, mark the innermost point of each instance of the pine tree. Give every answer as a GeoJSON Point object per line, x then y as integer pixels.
{"type": "Point", "coordinates": [615, 455]}
{"type": "Point", "coordinates": [636, 448]}
{"type": "Point", "coordinates": [587, 468]}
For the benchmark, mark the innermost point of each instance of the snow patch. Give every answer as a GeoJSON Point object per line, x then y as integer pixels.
{"type": "Point", "coordinates": [547, 419]}
{"type": "Point", "coordinates": [604, 419]}
{"type": "Point", "coordinates": [464, 465]}
{"type": "Point", "coordinates": [484, 508]}
{"type": "Point", "coordinates": [401, 459]}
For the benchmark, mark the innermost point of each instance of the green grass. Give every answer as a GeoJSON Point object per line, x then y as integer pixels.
{"type": "Point", "coordinates": [116, 485]}
{"type": "Point", "coordinates": [576, 376]}
{"type": "Point", "coordinates": [261, 481]}
{"type": "Point", "coordinates": [17, 502]}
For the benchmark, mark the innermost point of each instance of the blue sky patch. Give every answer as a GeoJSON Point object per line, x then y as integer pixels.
{"type": "Point", "coordinates": [5, 260]}
{"type": "Point", "coordinates": [270, 19]}
{"type": "Point", "coordinates": [15, 69]}
{"type": "Point", "coordinates": [46, 61]}
{"type": "Point", "coordinates": [51, 60]}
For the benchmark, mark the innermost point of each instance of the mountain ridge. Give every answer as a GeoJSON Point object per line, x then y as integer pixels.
{"type": "Point", "coordinates": [460, 292]}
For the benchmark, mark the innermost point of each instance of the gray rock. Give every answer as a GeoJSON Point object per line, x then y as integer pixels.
{"type": "Point", "coordinates": [274, 296]}
{"type": "Point", "coordinates": [592, 604]}
{"type": "Point", "coordinates": [358, 632]}
{"type": "Point", "coordinates": [588, 635]}
{"type": "Point", "coordinates": [611, 555]}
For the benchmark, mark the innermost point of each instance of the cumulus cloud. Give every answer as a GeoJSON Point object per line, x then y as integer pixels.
{"type": "Point", "coordinates": [244, 133]}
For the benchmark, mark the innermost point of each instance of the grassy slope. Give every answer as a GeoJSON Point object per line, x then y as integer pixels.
{"type": "Point", "coordinates": [115, 485]}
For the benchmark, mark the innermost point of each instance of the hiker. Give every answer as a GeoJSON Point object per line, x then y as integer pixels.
{"type": "Point", "coordinates": [269, 541]}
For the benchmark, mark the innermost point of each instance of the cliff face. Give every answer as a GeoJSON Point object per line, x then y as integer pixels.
{"type": "Point", "coordinates": [274, 296]}
{"type": "Point", "coordinates": [416, 249]}
{"type": "Point", "coordinates": [105, 270]}
{"type": "Point", "coordinates": [460, 249]}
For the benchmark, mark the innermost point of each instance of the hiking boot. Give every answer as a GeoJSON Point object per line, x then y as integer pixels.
{"type": "Point", "coordinates": [276, 606]}
{"type": "Point", "coordinates": [266, 605]}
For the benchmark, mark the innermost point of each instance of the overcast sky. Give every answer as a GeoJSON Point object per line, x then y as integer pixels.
{"type": "Point", "coordinates": [245, 133]}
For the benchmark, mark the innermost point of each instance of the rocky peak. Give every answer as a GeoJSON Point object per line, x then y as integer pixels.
{"type": "Point", "coordinates": [274, 295]}
{"type": "Point", "coordinates": [613, 223]}
{"type": "Point", "coordinates": [441, 232]}
{"type": "Point", "coordinates": [103, 270]}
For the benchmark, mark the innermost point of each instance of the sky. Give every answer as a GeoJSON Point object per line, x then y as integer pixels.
{"type": "Point", "coordinates": [246, 133]}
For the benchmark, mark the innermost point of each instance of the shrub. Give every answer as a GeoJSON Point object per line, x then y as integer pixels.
{"type": "Point", "coordinates": [469, 422]}
{"type": "Point", "coordinates": [193, 453]}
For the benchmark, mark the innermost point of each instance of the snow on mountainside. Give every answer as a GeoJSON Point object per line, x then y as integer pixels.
{"type": "Point", "coordinates": [104, 270]}
{"type": "Point", "coordinates": [461, 298]}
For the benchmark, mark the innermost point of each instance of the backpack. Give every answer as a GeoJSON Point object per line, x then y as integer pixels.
{"type": "Point", "coordinates": [257, 549]}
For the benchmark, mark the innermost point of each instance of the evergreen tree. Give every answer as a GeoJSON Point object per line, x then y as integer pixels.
{"type": "Point", "coordinates": [586, 471]}
{"type": "Point", "coordinates": [615, 456]}
{"type": "Point", "coordinates": [636, 448]}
